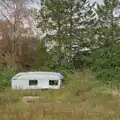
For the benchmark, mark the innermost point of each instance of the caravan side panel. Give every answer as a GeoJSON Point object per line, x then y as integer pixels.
{"type": "Point", "coordinates": [20, 84]}
{"type": "Point", "coordinates": [43, 83]}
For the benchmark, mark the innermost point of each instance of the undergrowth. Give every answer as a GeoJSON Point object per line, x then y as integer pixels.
{"type": "Point", "coordinates": [82, 98]}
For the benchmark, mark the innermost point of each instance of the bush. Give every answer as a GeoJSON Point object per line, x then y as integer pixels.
{"type": "Point", "coordinates": [106, 64]}
{"type": "Point", "coordinates": [7, 74]}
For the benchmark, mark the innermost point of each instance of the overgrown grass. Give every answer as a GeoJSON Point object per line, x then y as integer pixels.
{"type": "Point", "coordinates": [83, 98]}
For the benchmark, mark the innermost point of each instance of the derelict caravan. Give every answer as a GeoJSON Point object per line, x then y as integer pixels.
{"type": "Point", "coordinates": [37, 80]}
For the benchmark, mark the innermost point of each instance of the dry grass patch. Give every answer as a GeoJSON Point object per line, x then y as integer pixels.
{"type": "Point", "coordinates": [82, 99]}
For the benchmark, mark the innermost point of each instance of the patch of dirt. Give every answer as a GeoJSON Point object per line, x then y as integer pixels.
{"type": "Point", "coordinates": [30, 99]}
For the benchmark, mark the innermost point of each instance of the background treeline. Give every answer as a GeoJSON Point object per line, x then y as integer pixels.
{"type": "Point", "coordinates": [62, 35]}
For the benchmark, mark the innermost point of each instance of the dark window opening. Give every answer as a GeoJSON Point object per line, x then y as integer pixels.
{"type": "Point", "coordinates": [63, 81]}
{"type": "Point", "coordinates": [33, 82]}
{"type": "Point", "coordinates": [53, 82]}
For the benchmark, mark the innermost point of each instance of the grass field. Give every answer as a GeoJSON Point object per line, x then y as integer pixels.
{"type": "Point", "coordinates": [83, 98]}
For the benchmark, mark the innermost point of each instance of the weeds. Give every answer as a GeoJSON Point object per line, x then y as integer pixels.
{"type": "Point", "coordinates": [83, 98]}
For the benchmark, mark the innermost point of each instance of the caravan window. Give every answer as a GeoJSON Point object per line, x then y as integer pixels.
{"type": "Point", "coordinates": [53, 82]}
{"type": "Point", "coordinates": [33, 82]}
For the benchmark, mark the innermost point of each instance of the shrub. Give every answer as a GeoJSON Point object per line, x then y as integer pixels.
{"type": "Point", "coordinates": [7, 74]}
{"type": "Point", "coordinates": [106, 64]}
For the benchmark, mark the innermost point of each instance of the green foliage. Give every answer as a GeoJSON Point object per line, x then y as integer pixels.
{"type": "Point", "coordinates": [41, 57]}
{"type": "Point", "coordinates": [7, 74]}
{"type": "Point", "coordinates": [106, 59]}
{"type": "Point", "coordinates": [106, 64]}
{"type": "Point", "coordinates": [64, 71]}
{"type": "Point", "coordinates": [107, 31]}
{"type": "Point", "coordinates": [61, 23]}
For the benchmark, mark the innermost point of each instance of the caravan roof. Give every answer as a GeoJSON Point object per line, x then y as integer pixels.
{"type": "Point", "coordinates": [33, 75]}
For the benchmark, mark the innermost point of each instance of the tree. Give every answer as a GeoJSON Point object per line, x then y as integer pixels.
{"type": "Point", "coordinates": [41, 56]}
{"type": "Point", "coordinates": [106, 59]}
{"type": "Point", "coordinates": [107, 27]}
{"type": "Point", "coordinates": [17, 32]}
{"type": "Point", "coordinates": [65, 22]}
{"type": "Point", "coordinates": [16, 13]}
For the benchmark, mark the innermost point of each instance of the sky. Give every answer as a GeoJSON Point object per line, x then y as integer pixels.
{"type": "Point", "coordinates": [98, 1]}
{"type": "Point", "coordinates": [36, 3]}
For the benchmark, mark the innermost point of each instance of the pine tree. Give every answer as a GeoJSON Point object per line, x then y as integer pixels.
{"type": "Point", "coordinates": [107, 25]}
{"type": "Point", "coordinates": [66, 22]}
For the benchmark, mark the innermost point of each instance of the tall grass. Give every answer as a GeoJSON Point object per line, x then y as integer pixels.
{"type": "Point", "coordinates": [82, 98]}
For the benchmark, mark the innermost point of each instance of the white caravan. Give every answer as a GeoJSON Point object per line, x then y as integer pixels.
{"type": "Point", "coordinates": [37, 80]}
